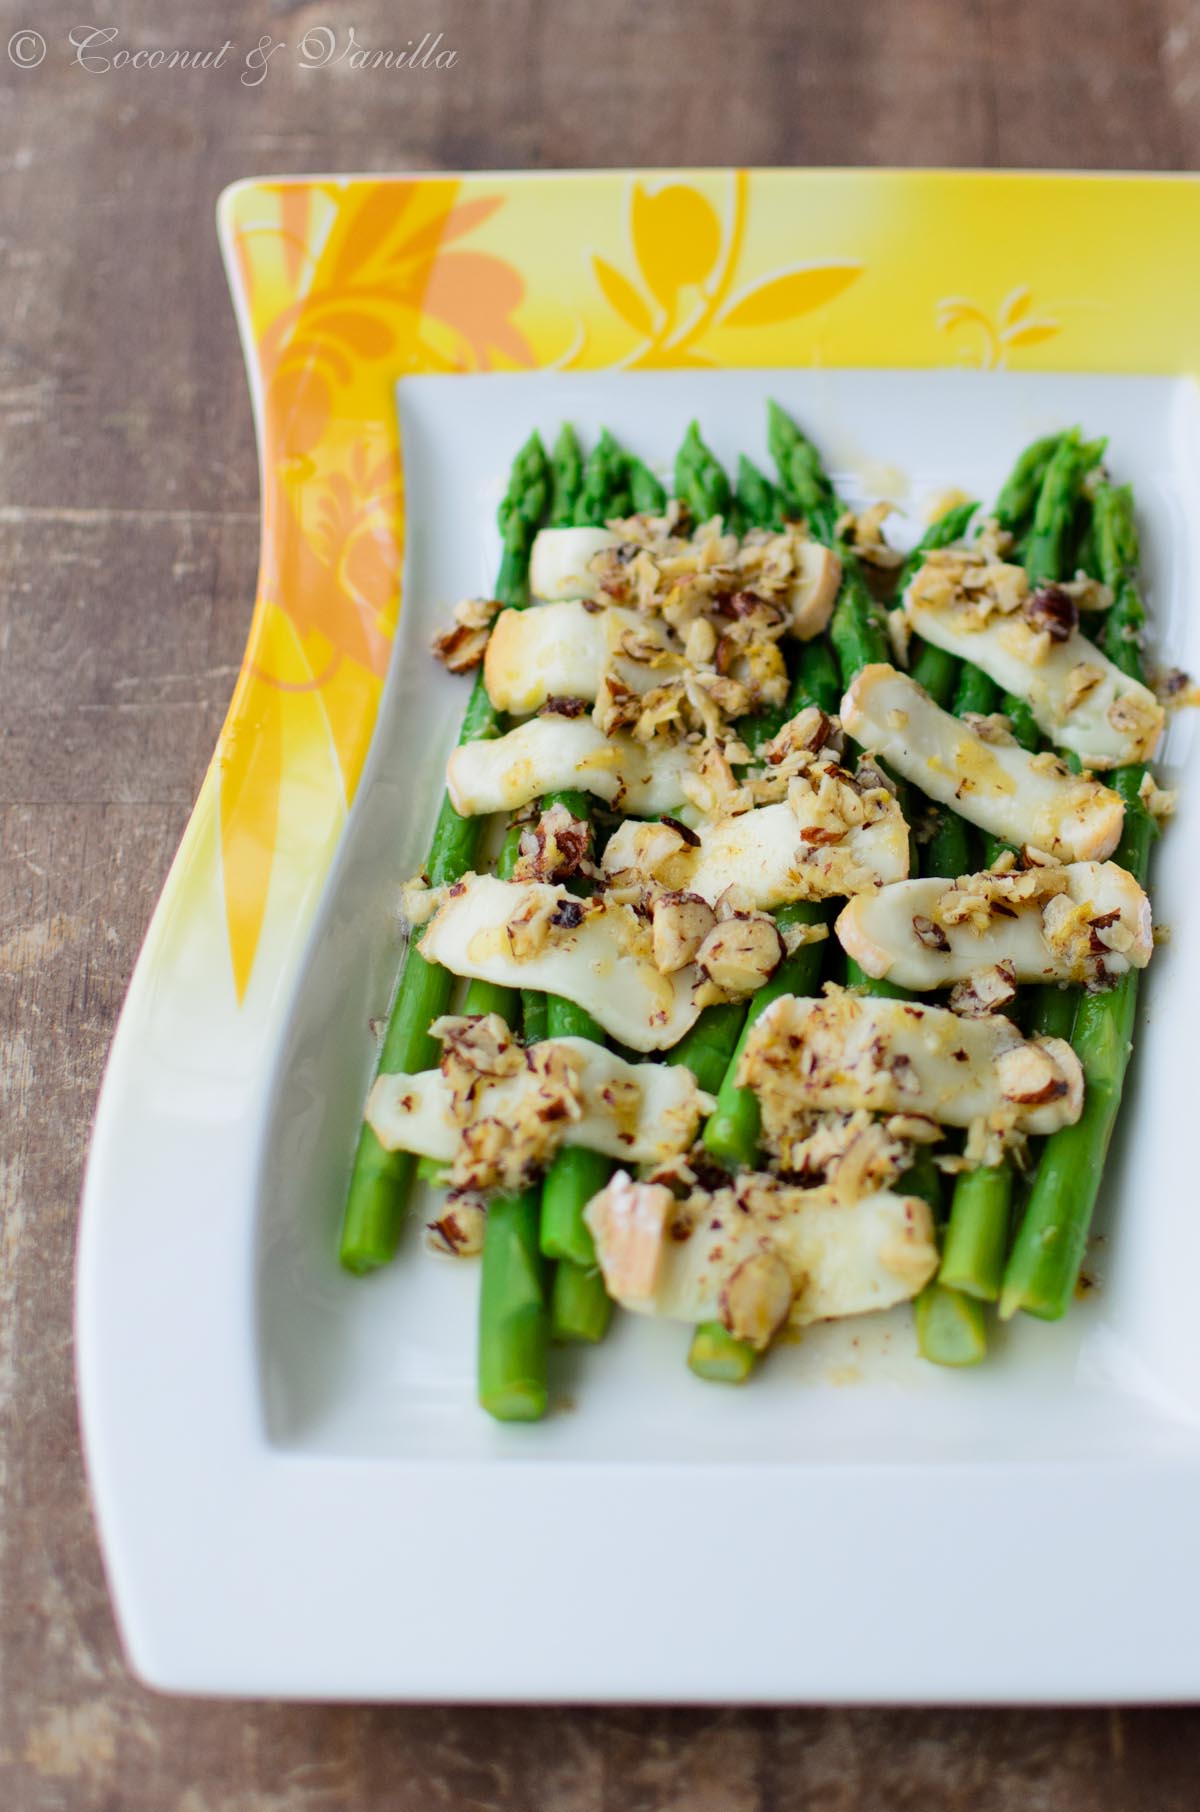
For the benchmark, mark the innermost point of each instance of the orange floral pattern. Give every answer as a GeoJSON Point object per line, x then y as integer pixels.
{"type": "Point", "coordinates": [369, 290]}
{"type": "Point", "coordinates": [343, 286]}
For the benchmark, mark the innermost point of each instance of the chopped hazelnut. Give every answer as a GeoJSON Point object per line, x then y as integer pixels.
{"type": "Point", "coordinates": [986, 991]}
{"type": "Point", "coordinates": [734, 903]}
{"type": "Point", "coordinates": [931, 935]}
{"type": "Point", "coordinates": [463, 646]}
{"type": "Point", "coordinates": [1052, 612]}
{"type": "Point", "coordinates": [741, 954]}
{"type": "Point", "coordinates": [1029, 1076]}
{"type": "Point", "coordinates": [459, 1229]}
{"type": "Point", "coordinates": [756, 1299]}
{"type": "Point", "coordinates": [681, 922]}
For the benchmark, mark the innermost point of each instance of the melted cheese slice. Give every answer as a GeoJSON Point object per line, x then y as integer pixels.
{"type": "Point", "coordinates": [897, 1056]}
{"type": "Point", "coordinates": [563, 651]}
{"type": "Point", "coordinates": [878, 931]}
{"type": "Point", "coordinates": [842, 1260]}
{"type": "Point", "coordinates": [1117, 720]}
{"type": "Point", "coordinates": [1019, 797]}
{"type": "Point", "coordinates": [551, 754]}
{"type": "Point", "coordinates": [599, 965]}
{"type": "Point", "coordinates": [763, 851]}
{"type": "Point", "coordinates": [560, 561]}
{"type": "Point", "coordinates": [662, 1106]}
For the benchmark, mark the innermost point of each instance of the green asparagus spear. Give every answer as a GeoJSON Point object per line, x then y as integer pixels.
{"type": "Point", "coordinates": [702, 484]}
{"type": "Point", "coordinates": [520, 516]}
{"type": "Point", "coordinates": [950, 1331]}
{"type": "Point", "coordinates": [757, 499]}
{"type": "Point", "coordinates": [816, 680]}
{"type": "Point", "coordinates": [950, 1326]}
{"type": "Point", "coordinates": [1052, 1013]}
{"type": "Point", "coordinates": [511, 1356]}
{"type": "Point", "coordinates": [1021, 489]}
{"type": "Point", "coordinates": [613, 485]}
{"type": "Point", "coordinates": [605, 492]}
{"type": "Point", "coordinates": [857, 635]}
{"type": "Point", "coordinates": [512, 1312]}
{"type": "Point", "coordinates": [700, 479]}
{"type": "Point", "coordinates": [719, 1356]}
{"type": "Point", "coordinates": [731, 1132]}
{"type": "Point", "coordinates": [1020, 716]}
{"type": "Point", "coordinates": [975, 692]}
{"type": "Point", "coordinates": [858, 639]}
{"type": "Point", "coordinates": [934, 668]}
{"type": "Point", "coordinates": [981, 1210]}
{"type": "Point", "coordinates": [1050, 538]}
{"type": "Point", "coordinates": [804, 484]}
{"type": "Point", "coordinates": [708, 1048]}
{"type": "Point", "coordinates": [1044, 1264]}
{"type": "Point", "coordinates": [380, 1179]}
{"type": "Point", "coordinates": [937, 671]}
{"type": "Point", "coordinates": [575, 1175]}
{"type": "Point", "coordinates": [580, 1306]}
{"type": "Point", "coordinates": [645, 492]}
{"type": "Point", "coordinates": [534, 1018]}
{"type": "Point", "coordinates": [486, 996]}
{"type": "Point", "coordinates": [976, 1241]}
{"type": "Point", "coordinates": [948, 851]}
{"type": "Point", "coordinates": [566, 469]}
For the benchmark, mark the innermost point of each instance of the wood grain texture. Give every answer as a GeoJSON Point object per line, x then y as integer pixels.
{"type": "Point", "coordinates": [128, 530]}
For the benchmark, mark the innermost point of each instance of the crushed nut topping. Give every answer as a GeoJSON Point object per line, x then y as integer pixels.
{"type": "Point", "coordinates": [756, 1299]}
{"type": "Point", "coordinates": [1176, 689]}
{"type": "Point", "coordinates": [973, 582]}
{"type": "Point", "coordinates": [929, 933]}
{"type": "Point", "coordinates": [458, 1231]}
{"type": "Point", "coordinates": [863, 531]}
{"type": "Point", "coordinates": [681, 923]}
{"type": "Point", "coordinates": [991, 1140]}
{"type": "Point", "coordinates": [988, 990]}
{"type": "Point", "coordinates": [565, 707]}
{"type": "Point", "coordinates": [851, 1154]}
{"type": "Point", "coordinates": [528, 930]}
{"type": "Point", "coordinates": [1053, 611]}
{"type": "Point", "coordinates": [480, 1049]}
{"type": "Point", "coordinates": [740, 954]}
{"type": "Point", "coordinates": [993, 727]}
{"type": "Point", "coordinates": [463, 646]}
{"type": "Point", "coordinates": [1158, 801]}
{"type": "Point", "coordinates": [1087, 593]}
{"type": "Point", "coordinates": [899, 634]}
{"type": "Point", "coordinates": [1029, 1076]}
{"type": "Point", "coordinates": [555, 848]}
{"type": "Point", "coordinates": [714, 609]}
{"type": "Point", "coordinates": [1137, 715]}
{"type": "Point", "coordinates": [419, 901]}
{"type": "Point", "coordinates": [1082, 681]}
{"type": "Point", "coordinates": [974, 900]}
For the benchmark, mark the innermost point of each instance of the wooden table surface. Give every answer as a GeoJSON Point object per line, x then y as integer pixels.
{"type": "Point", "coordinates": [128, 529]}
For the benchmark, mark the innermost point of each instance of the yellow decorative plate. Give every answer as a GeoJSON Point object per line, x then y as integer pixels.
{"type": "Point", "coordinates": [295, 1493]}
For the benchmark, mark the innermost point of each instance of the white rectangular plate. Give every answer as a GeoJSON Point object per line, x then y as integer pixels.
{"type": "Point", "coordinates": [321, 1509]}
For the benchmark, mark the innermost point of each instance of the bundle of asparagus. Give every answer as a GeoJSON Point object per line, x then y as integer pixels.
{"type": "Point", "coordinates": [656, 1242]}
